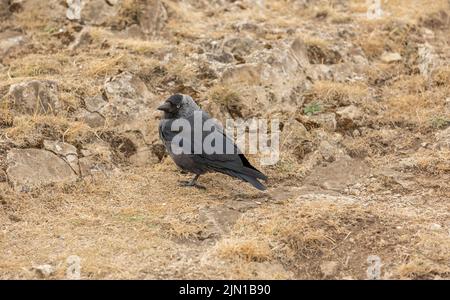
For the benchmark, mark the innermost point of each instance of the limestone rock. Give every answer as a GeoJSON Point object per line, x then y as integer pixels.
{"type": "Point", "coordinates": [97, 158]}
{"type": "Point", "coordinates": [30, 168]}
{"type": "Point", "coordinates": [35, 97]}
{"type": "Point", "coordinates": [4, 8]}
{"type": "Point", "coordinates": [390, 57]}
{"type": "Point", "coordinates": [326, 120]}
{"type": "Point", "coordinates": [443, 139]}
{"type": "Point", "coordinates": [349, 112]}
{"type": "Point", "coordinates": [152, 16]}
{"type": "Point", "coordinates": [130, 106]}
{"type": "Point", "coordinates": [240, 46]}
{"type": "Point", "coordinates": [93, 119]}
{"type": "Point", "coordinates": [83, 39]}
{"type": "Point", "coordinates": [44, 271]}
{"type": "Point", "coordinates": [65, 151]}
{"type": "Point", "coordinates": [348, 117]}
{"type": "Point", "coordinates": [73, 10]}
{"type": "Point", "coordinates": [92, 12]}
{"type": "Point", "coordinates": [9, 40]}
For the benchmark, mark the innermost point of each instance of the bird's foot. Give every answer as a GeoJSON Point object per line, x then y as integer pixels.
{"type": "Point", "coordinates": [192, 184]}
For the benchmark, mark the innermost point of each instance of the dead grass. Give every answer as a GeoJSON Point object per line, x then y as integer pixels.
{"type": "Point", "coordinates": [441, 77]}
{"type": "Point", "coordinates": [247, 250]}
{"type": "Point", "coordinates": [337, 94]}
{"type": "Point", "coordinates": [40, 65]}
{"type": "Point", "coordinates": [419, 110]}
{"type": "Point", "coordinates": [30, 131]}
{"type": "Point", "coordinates": [303, 231]}
{"type": "Point", "coordinates": [430, 259]}
{"type": "Point", "coordinates": [138, 222]}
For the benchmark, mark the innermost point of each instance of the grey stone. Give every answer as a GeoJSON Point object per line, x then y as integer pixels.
{"type": "Point", "coordinates": [65, 151]}
{"type": "Point", "coordinates": [31, 168]}
{"type": "Point", "coordinates": [10, 40]}
{"type": "Point", "coordinates": [35, 97]}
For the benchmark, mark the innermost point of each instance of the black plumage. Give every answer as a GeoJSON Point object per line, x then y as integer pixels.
{"type": "Point", "coordinates": [234, 164]}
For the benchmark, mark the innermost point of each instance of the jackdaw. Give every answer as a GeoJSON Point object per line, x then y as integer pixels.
{"type": "Point", "coordinates": [225, 158]}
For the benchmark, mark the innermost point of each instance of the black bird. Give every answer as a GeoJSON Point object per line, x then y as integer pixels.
{"type": "Point", "coordinates": [235, 164]}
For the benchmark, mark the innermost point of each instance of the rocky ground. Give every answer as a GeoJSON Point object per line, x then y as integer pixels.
{"type": "Point", "coordinates": [362, 184]}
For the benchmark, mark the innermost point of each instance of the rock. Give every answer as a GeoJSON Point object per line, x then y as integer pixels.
{"type": "Point", "coordinates": [297, 139]}
{"type": "Point", "coordinates": [92, 12]}
{"type": "Point", "coordinates": [92, 115]}
{"type": "Point", "coordinates": [10, 40]}
{"type": "Point", "coordinates": [4, 8]}
{"type": "Point", "coordinates": [97, 158]}
{"type": "Point", "coordinates": [94, 104]}
{"type": "Point", "coordinates": [435, 227]}
{"type": "Point", "coordinates": [34, 97]}
{"type": "Point", "coordinates": [73, 270]}
{"type": "Point", "coordinates": [390, 57]}
{"type": "Point", "coordinates": [318, 54]}
{"type": "Point", "coordinates": [43, 271]}
{"type": "Point", "coordinates": [73, 10]}
{"type": "Point", "coordinates": [130, 106]}
{"type": "Point", "coordinates": [135, 32]}
{"type": "Point", "coordinates": [300, 53]}
{"type": "Point", "coordinates": [329, 268]}
{"type": "Point", "coordinates": [326, 120]}
{"type": "Point", "coordinates": [273, 76]}
{"type": "Point", "coordinates": [349, 112]}
{"type": "Point", "coordinates": [442, 139]}
{"type": "Point", "coordinates": [93, 119]}
{"type": "Point", "coordinates": [245, 26]}
{"type": "Point", "coordinates": [427, 60]}
{"type": "Point", "coordinates": [30, 168]}
{"type": "Point", "coordinates": [143, 154]}
{"type": "Point", "coordinates": [83, 39]}
{"type": "Point", "coordinates": [240, 46]}
{"type": "Point", "coordinates": [65, 151]}
{"type": "Point", "coordinates": [223, 57]}
{"type": "Point", "coordinates": [348, 117]}
{"type": "Point", "coordinates": [320, 72]}
{"type": "Point", "coordinates": [152, 16]}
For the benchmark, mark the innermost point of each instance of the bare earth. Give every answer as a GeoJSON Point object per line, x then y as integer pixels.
{"type": "Point", "coordinates": [365, 141]}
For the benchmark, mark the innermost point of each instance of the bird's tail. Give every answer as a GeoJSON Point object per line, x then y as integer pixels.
{"type": "Point", "coordinates": [250, 179]}
{"type": "Point", "coordinates": [253, 173]}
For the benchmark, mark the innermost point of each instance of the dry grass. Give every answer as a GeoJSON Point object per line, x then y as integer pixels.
{"type": "Point", "coordinates": [441, 77]}
{"type": "Point", "coordinates": [136, 222]}
{"type": "Point", "coordinates": [338, 94]}
{"type": "Point", "coordinates": [431, 257]}
{"type": "Point", "coordinates": [247, 250]}
{"type": "Point", "coordinates": [30, 131]}
{"type": "Point", "coordinates": [40, 65]}
{"type": "Point", "coordinates": [411, 101]}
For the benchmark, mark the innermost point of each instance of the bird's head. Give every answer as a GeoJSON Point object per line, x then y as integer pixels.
{"type": "Point", "coordinates": [178, 105]}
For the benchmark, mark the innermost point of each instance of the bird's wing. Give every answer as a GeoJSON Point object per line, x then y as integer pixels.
{"type": "Point", "coordinates": [225, 162]}
{"type": "Point", "coordinates": [222, 161]}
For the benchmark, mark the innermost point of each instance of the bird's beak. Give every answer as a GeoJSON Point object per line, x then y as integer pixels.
{"type": "Point", "coordinates": [164, 107]}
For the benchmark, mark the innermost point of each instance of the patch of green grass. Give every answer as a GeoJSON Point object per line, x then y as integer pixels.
{"type": "Point", "coordinates": [312, 109]}
{"type": "Point", "coordinates": [50, 29]}
{"type": "Point", "coordinates": [440, 122]}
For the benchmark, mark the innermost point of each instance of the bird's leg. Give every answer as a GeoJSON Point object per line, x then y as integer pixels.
{"type": "Point", "coordinates": [193, 182]}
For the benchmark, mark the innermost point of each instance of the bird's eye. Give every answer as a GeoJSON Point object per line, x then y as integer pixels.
{"type": "Point", "coordinates": [178, 106]}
